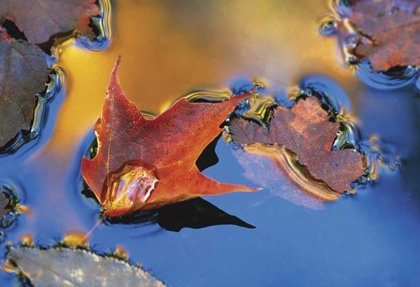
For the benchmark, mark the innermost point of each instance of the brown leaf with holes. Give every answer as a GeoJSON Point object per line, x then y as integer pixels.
{"type": "Point", "coordinates": [41, 19]}
{"type": "Point", "coordinates": [144, 164]}
{"type": "Point", "coordinates": [23, 74]}
{"type": "Point", "coordinates": [390, 30]}
{"type": "Point", "coordinates": [306, 131]}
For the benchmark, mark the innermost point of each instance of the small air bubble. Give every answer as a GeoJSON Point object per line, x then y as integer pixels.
{"type": "Point", "coordinates": [328, 25]}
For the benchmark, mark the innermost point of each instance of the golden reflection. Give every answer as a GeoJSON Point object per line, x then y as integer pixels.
{"type": "Point", "coordinates": [76, 240]}
{"type": "Point", "coordinates": [121, 253]}
{"type": "Point", "coordinates": [170, 48]}
{"type": "Point", "coordinates": [260, 109]}
{"type": "Point", "coordinates": [26, 240]}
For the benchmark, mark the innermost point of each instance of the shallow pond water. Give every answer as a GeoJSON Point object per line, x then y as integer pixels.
{"type": "Point", "coordinates": [171, 48]}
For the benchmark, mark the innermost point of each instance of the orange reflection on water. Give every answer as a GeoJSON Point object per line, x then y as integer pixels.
{"type": "Point", "coordinates": [170, 48]}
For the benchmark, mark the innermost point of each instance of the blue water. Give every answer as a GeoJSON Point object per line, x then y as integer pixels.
{"type": "Point", "coordinates": [369, 239]}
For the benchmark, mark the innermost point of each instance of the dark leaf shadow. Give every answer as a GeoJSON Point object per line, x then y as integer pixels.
{"type": "Point", "coordinates": [208, 157]}
{"type": "Point", "coordinates": [194, 213]}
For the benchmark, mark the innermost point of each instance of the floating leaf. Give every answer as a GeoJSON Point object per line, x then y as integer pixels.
{"type": "Point", "coordinates": [307, 131]}
{"type": "Point", "coordinates": [23, 74]}
{"type": "Point", "coordinates": [389, 31]}
{"type": "Point", "coordinates": [4, 204]}
{"type": "Point", "coordinates": [43, 18]}
{"type": "Point", "coordinates": [145, 164]}
{"type": "Point", "coordinates": [72, 267]}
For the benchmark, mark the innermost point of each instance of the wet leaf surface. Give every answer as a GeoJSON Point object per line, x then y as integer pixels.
{"type": "Point", "coordinates": [145, 164]}
{"type": "Point", "coordinates": [390, 31]}
{"type": "Point", "coordinates": [4, 201]}
{"type": "Point", "coordinates": [43, 18]}
{"type": "Point", "coordinates": [307, 131]}
{"type": "Point", "coordinates": [23, 74]}
{"type": "Point", "coordinates": [72, 267]}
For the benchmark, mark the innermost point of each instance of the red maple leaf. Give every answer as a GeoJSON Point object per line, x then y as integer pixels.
{"type": "Point", "coordinates": [306, 131]}
{"type": "Point", "coordinates": [43, 18]}
{"type": "Point", "coordinates": [145, 164]}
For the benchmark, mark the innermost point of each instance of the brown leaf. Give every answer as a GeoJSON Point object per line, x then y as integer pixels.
{"type": "Point", "coordinates": [23, 74]}
{"type": "Point", "coordinates": [391, 29]}
{"type": "Point", "coordinates": [4, 202]}
{"type": "Point", "coordinates": [306, 131]}
{"type": "Point", "coordinates": [144, 164]}
{"type": "Point", "coordinates": [43, 18]}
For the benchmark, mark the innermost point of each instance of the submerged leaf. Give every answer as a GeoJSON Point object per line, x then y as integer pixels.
{"type": "Point", "coordinates": [144, 164]}
{"type": "Point", "coordinates": [72, 267]}
{"type": "Point", "coordinates": [306, 131]}
{"type": "Point", "coordinates": [23, 74]}
{"type": "Point", "coordinates": [43, 18]}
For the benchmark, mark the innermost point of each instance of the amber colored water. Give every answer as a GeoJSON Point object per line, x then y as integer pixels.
{"type": "Point", "coordinates": [171, 48]}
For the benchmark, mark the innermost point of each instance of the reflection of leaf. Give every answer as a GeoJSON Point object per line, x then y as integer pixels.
{"type": "Point", "coordinates": [43, 18]}
{"type": "Point", "coordinates": [273, 168]}
{"type": "Point", "coordinates": [195, 213]}
{"type": "Point", "coordinates": [144, 164]}
{"type": "Point", "coordinates": [306, 131]}
{"type": "Point", "coordinates": [23, 73]}
{"type": "Point", "coordinates": [69, 267]}
{"type": "Point", "coordinates": [391, 29]}
{"type": "Point", "coordinates": [208, 157]}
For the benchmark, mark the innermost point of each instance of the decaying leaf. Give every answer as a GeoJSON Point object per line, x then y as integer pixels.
{"type": "Point", "coordinates": [144, 164]}
{"type": "Point", "coordinates": [43, 18]}
{"type": "Point", "coordinates": [23, 74]}
{"type": "Point", "coordinates": [306, 131]}
{"type": "Point", "coordinates": [4, 202]}
{"type": "Point", "coordinates": [390, 30]}
{"type": "Point", "coordinates": [72, 267]}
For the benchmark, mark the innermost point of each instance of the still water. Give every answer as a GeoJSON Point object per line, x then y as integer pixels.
{"type": "Point", "coordinates": [171, 48]}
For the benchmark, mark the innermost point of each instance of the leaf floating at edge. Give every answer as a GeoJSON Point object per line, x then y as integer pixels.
{"type": "Point", "coordinates": [388, 31]}
{"type": "Point", "coordinates": [73, 267]}
{"type": "Point", "coordinates": [41, 19]}
{"type": "Point", "coordinates": [4, 205]}
{"type": "Point", "coordinates": [26, 71]}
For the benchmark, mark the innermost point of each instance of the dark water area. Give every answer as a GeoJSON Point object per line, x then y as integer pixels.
{"type": "Point", "coordinates": [369, 238]}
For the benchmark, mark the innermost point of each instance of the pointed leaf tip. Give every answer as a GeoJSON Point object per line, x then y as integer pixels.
{"type": "Point", "coordinates": [116, 67]}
